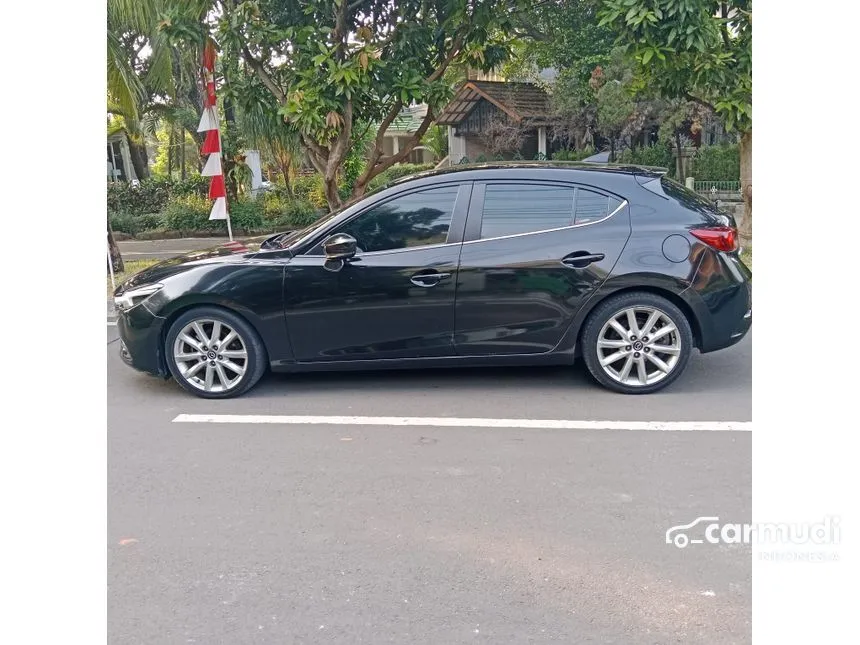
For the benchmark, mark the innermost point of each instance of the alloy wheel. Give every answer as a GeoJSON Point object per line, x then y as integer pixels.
{"type": "Point", "coordinates": [210, 355]}
{"type": "Point", "coordinates": [639, 346]}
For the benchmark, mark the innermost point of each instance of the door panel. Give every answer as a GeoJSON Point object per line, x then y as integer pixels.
{"type": "Point", "coordinates": [387, 303]}
{"type": "Point", "coordinates": [518, 293]}
{"type": "Point", "coordinates": [371, 308]}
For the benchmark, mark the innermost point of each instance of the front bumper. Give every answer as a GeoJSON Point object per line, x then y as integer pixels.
{"type": "Point", "coordinates": [141, 344]}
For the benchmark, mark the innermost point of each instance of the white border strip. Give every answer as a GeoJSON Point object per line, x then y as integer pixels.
{"type": "Point", "coordinates": [456, 422]}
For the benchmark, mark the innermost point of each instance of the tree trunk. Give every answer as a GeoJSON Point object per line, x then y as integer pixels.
{"type": "Point", "coordinates": [679, 162]}
{"type": "Point", "coordinates": [745, 149]}
{"type": "Point", "coordinates": [331, 194]}
{"type": "Point", "coordinates": [285, 171]}
{"type": "Point", "coordinates": [170, 153]}
{"type": "Point", "coordinates": [182, 172]}
{"type": "Point", "coordinates": [139, 159]}
{"type": "Point", "coordinates": [115, 256]}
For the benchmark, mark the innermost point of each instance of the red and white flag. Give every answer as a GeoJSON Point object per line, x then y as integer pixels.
{"type": "Point", "coordinates": [212, 143]}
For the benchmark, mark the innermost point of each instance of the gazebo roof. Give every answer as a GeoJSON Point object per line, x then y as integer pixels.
{"type": "Point", "coordinates": [518, 100]}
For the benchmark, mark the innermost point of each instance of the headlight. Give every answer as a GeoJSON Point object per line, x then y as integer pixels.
{"type": "Point", "coordinates": [135, 296]}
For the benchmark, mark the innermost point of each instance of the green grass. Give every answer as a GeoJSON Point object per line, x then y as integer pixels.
{"type": "Point", "coordinates": [131, 267]}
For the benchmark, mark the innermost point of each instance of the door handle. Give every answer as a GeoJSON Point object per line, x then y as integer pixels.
{"type": "Point", "coordinates": [428, 280]}
{"type": "Point", "coordinates": [581, 259]}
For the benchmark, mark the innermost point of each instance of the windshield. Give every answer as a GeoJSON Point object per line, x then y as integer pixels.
{"type": "Point", "coordinates": [283, 240]}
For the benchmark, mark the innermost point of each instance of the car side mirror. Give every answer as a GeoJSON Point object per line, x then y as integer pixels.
{"type": "Point", "coordinates": [340, 247]}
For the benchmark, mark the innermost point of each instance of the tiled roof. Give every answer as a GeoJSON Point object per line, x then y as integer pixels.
{"type": "Point", "coordinates": [409, 119]}
{"type": "Point", "coordinates": [519, 100]}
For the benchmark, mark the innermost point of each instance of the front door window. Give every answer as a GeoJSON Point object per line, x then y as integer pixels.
{"type": "Point", "coordinates": [417, 219]}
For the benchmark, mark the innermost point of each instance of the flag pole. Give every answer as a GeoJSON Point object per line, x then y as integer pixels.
{"type": "Point", "coordinates": [209, 121]}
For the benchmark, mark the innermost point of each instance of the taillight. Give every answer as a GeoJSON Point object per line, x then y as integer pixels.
{"type": "Point", "coordinates": [721, 238]}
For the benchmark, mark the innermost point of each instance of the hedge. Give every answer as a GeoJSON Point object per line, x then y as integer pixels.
{"type": "Point", "coordinates": [161, 204]}
{"type": "Point", "coordinates": [151, 195]}
{"type": "Point", "coordinates": [657, 155]}
{"type": "Point", "coordinates": [190, 213]}
{"type": "Point", "coordinates": [717, 163]}
{"type": "Point", "coordinates": [572, 155]}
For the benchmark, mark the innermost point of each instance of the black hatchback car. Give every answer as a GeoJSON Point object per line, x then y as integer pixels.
{"type": "Point", "coordinates": [507, 264]}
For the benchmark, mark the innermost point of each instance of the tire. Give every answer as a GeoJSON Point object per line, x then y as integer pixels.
{"type": "Point", "coordinates": [664, 354]}
{"type": "Point", "coordinates": [210, 373]}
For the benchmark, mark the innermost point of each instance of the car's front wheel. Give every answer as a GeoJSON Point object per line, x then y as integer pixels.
{"type": "Point", "coordinates": [214, 353]}
{"type": "Point", "coordinates": [636, 343]}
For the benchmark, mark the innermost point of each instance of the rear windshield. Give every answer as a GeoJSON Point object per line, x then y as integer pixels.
{"type": "Point", "coordinates": [690, 199]}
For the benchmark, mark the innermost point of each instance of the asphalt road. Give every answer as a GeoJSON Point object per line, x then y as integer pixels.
{"type": "Point", "coordinates": [165, 249]}
{"type": "Point", "coordinates": [230, 533]}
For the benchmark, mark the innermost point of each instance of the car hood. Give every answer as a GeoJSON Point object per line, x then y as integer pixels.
{"type": "Point", "coordinates": [229, 252]}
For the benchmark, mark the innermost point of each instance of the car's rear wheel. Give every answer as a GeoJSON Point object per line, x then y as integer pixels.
{"type": "Point", "coordinates": [214, 353]}
{"type": "Point", "coordinates": [636, 343]}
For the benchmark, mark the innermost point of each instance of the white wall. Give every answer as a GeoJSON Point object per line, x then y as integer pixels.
{"type": "Point", "coordinates": [456, 146]}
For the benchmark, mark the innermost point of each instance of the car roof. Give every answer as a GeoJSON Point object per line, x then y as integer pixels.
{"type": "Point", "coordinates": [602, 175]}
{"type": "Point", "coordinates": [496, 166]}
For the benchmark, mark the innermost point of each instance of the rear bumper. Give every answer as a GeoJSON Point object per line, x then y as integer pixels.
{"type": "Point", "coordinates": [723, 299]}
{"type": "Point", "coordinates": [140, 333]}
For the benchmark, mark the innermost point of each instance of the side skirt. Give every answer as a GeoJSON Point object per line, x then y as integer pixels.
{"type": "Point", "coordinates": [552, 358]}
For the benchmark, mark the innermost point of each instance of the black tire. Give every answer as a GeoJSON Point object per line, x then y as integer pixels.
{"type": "Point", "coordinates": [255, 364]}
{"type": "Point", "coordinates": [606, 311]}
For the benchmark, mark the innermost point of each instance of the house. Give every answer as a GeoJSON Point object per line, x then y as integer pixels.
{"type": "Point", "coordinates": [401, 130]}
{"type": "Point", "coordinates": [497, 119]}
{"type": "Point", "coordinates": [119, 165]}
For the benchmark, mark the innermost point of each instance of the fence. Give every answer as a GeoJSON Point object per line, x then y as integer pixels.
{"type": "Point", "coordinates": [717, 186]}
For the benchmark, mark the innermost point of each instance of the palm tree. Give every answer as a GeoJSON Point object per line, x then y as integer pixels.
{"type": "Point", "coordinates": [147, 69]}
{"type": "Point", "coordinates": [279, 143]}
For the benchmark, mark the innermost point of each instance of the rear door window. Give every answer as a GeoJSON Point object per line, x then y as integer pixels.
{"type": "Point", "coordinates": [517, 208]}
{"type": "Point", "coordinates": [510, 209]}
{"type": "Point", "coordinates": [592, 206]}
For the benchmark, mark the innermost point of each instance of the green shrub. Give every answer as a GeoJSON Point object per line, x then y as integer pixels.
{"type": "Point", "coordinates": [190, 213]}
{"type": "Point", "coordinates": [150, 196]}
{"type": "Point", "coordinates": [123, 223]}
{"type": "Point", "coordinates": [310, 188]}
{"type": "Point", "coordinates": [286, 213]}
{"type": "Point", "coordinates": [194, 185]}
{"type": "Point", "coordinates": [246, 214]}
{"type": "Point", "coordinates": [134, 224]}
{"type": "Point", "coordinates": [717, 163]}
{"type": "Point", "coordinates": [657, 155]}
{"type": "Point", "coordinates": [572, 155]}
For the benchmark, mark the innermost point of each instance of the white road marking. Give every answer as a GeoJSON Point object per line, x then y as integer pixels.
{"type": "Point", "coordinates": [458, 422]}
{"type": "Point", "coordinates": [111, 323]}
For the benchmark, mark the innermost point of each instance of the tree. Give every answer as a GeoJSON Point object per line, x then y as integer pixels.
{"type": "Point", "coordinates": [152, 70]}
{"type": "Point", "coordinates": [501, 134]}
{"type": "Point", "coordinates": [330, 64]}
{"type": "Point", "coordinates": [698, 50]}
{"type": "Point", "coordinates": [614, 109]}
{"type": "Point", "coordinates": [564, 35]}
{"type": "Point", "coordinates": [116, 262]}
